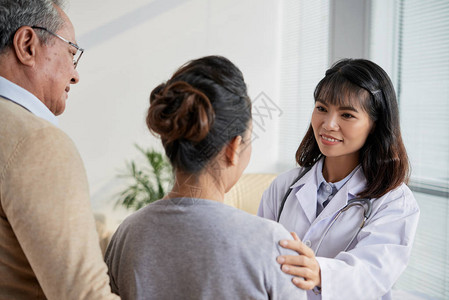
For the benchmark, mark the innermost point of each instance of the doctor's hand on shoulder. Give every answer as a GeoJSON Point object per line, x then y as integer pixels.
{"type": "Point", "coordinates": [304, 266]}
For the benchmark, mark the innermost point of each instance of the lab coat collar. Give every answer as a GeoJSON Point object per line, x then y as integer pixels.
{"type": "Point", "coordinates": [306, 192]}
{"type": "Point", "coordinates": [349, 191]}
{"type": "Point", "coordinates": [306, 178]}
{"type": "Point", "coordinates": [306, 189]}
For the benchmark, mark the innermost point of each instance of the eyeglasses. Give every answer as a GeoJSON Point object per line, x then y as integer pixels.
{"type": "Point", "coordinates": [79, 50]}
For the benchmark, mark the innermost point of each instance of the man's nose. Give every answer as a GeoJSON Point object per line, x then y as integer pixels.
{"type": "Point", "coordinates": [75, 77]}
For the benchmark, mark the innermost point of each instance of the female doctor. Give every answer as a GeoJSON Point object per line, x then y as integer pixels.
{"type": "Point", "coordinates": [348, 202]}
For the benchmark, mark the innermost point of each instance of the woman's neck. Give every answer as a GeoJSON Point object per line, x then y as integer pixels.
{"type": "Point", "coordinates": [202, 186]}
{"type": "Point", "coordinates": [337, 168]}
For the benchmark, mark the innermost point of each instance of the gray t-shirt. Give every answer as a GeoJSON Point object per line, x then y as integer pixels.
{"type": "Point", "coordinates": [188, 248]}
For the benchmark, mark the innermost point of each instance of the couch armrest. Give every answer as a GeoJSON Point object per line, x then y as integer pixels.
{"type": "Point", "coordinates": [104, 235]}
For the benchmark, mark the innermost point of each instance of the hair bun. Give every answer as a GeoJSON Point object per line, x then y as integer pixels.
{"type": "Point", "coordinates": [179, 111]}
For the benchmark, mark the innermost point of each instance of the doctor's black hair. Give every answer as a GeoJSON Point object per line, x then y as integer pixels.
{"type": "Point", "coordinates": [198, 111]}
{"type": "Point", "coordinates": [383, 156]}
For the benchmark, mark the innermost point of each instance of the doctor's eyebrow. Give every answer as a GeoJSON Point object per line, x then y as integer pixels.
{"type": "Point", "coordinates": [346, 107]}
{"type": "Point", "coordinates": [351, 108]}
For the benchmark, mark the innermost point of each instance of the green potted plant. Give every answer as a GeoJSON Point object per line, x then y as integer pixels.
{"type": "Point", "coordinates": [148, 181]}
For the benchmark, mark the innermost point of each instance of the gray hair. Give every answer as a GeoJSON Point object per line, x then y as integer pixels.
{"type": "Point", "coordinates": [17, 13]}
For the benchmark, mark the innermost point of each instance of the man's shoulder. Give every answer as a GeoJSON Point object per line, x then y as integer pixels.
{"type": "Point", "coordinates": [18, 124]}
{"type": "Point", "coordinates": [15, 116]}
{"type": "Point", "coordinates": [19, 128]}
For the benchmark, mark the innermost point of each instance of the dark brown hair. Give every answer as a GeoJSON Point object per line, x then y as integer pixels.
{"type": "Point", "coordinates": [199, 110]}
{"type": "Point", "coordinates": [383, 156]}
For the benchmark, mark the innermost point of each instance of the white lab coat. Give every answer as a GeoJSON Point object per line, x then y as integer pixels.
{"type": "Point", "coordinates": [378, 256]}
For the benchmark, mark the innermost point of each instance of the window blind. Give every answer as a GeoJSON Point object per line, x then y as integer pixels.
{"type": "Point", "coordinates": [304, 59]}
{"type": "Point", "coordinates": [422, 81]}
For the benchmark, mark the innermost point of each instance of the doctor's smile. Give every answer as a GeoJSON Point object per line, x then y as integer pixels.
{"type": "Point", "coordinates": [327, 140]}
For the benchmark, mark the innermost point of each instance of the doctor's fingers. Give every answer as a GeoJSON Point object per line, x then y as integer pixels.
{"type": "Point", "coordinates": [303, 284]}
{"type": "Point", "coordinates": [295, 260]}
{"type": "Point", "coordinates": [295, 236]}
{"type": "Point", "coordinates": [304, 277]}
{"type": "Point", "coordinates": [297, 246]}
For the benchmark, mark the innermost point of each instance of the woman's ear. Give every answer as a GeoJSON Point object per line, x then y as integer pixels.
{"type": "Point", "coordinates": [232, 155]}
{"type": "Point", "coordinates": [25, 42]}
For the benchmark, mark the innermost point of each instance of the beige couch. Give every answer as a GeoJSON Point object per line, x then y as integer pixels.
{"type": "Point", "coordinates": [245, 195]}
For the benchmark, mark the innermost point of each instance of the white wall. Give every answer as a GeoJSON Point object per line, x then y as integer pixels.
{"type": "Point", "coordinates": [133, 46]}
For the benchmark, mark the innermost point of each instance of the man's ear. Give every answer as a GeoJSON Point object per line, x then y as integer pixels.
{"type": "Point", "coordinates": [232, 157]}
{"type": "Point", "coordinates": [25, 43]}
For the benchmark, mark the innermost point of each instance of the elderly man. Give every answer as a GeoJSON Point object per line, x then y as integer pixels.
{"type": "Point", "coordinates": [48, 244]}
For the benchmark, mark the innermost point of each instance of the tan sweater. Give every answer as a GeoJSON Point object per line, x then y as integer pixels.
{"type": "Point", "coordinates": [48, 244]}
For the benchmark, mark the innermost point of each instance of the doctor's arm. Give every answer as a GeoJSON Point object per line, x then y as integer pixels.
{"type": "Point", "coordinates": [378, 259]}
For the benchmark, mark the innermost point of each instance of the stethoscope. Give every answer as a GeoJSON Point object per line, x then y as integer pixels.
{"type": "Point", "coordinates": [364, 203]}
